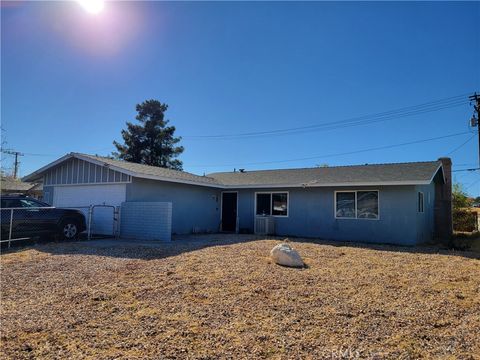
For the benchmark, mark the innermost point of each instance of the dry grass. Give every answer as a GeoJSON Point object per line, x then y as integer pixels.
{"type": "Point", "coordinates": [229, 301]}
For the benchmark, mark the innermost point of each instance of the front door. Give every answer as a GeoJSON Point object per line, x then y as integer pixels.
{"type": "Point", "coordinates": [229, 211]}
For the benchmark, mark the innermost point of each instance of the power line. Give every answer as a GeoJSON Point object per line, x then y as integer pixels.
{"type": "Point", "coordinates": [341, 154]}
{"type": "Point", "coordinates": [355, 121]}
{"type": "Point", "coordinates": [465, 164]}
{"type": "Point", "coordinates": [472, 169]}
{"type": "Point", "coordinates": [475, 121]}
{"type": "Point", "coordinates": [33, 154]}
{"type": "Point", "coordinates": [51, 155]}
{"type": "Point", "coordinates": [436, 105]}
{"type": "Point", "coordinates": [462, 145]}
{"type": "Point", "coordinates": [469, 186]}
{"type": "Point", "coordinates": [322, 127]}
{"type": "Point", "coordinates": [16, 163]}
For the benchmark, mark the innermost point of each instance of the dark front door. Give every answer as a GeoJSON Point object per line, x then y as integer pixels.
{"type": "Point", "coordinates": [229, 211]}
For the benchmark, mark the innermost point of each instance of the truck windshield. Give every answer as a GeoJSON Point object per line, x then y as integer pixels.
{"type": "Point", "coordinates": [29, 203]}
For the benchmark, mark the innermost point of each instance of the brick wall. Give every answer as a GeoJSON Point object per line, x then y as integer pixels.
{"type": "Point", "coordinates": [146, 220]}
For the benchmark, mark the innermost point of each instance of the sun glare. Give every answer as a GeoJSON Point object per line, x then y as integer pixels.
{"type": "Point", "coordinates": [92, 6]}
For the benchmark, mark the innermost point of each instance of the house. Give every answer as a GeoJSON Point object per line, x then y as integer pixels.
{"type": "Point", "coordinates": [14, 186]}
{"type": "Point", "coordinates": [402, 203]}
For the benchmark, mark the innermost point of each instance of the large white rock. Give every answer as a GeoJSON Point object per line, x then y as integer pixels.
{"type": "Point", "coordinates": [283, 254]}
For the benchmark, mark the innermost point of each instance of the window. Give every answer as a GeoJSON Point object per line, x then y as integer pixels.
{"type": "Point", "coordinates": [367, 204]}
{"type": "Point", "coordinates": [356, 204]}
{"type": "Point", "coordinates": [22, 203]}
{"type": "Point", "coordinates": [11, 203]}
{"type": "Point", "coordinates": [279, 204]}
{"type": "Point", "coordinates": [346, 205]}
{"type": "Point", "coordinates": [29, 203]}
{"type": "Point", "coordinates": [264, 204]}
{"type": "Point", "coordinates": [275, 204]}
{"type": "Point", "coordinates": [420, 202]}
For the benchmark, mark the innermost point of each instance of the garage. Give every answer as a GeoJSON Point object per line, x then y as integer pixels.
{"type": "Point", "coordinates": [84, 196]}
{"type": "Point", "coordinates": [154, 202]}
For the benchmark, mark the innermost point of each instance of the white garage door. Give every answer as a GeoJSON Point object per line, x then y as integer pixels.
{"type": "Point", "coordinates": [83, 196]}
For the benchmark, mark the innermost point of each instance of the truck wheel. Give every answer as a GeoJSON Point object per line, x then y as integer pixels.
{"type": "Point", "coordinates": [68, 229]}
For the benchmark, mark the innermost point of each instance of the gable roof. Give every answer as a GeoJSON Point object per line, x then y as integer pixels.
{"type": "Point", "coordinates": [148, 171]}
{"type": "Point", "coordinates": [414, 173]}
{"type": "Point", "coordinates": [132, 169]}
{"type": "Point", "coordinates": [7, 184]}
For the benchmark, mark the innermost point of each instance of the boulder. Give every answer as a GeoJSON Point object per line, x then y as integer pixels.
{"type": "Point", "coordinates": [283, 254]}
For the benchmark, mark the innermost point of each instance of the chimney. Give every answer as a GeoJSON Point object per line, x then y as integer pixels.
{"type": "Point", "coordinates": [443, 203]}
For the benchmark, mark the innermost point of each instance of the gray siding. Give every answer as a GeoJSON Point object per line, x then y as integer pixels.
{"type": "Point", "coordinates": [76, 171]}
{"type": "Point", "coordinates": [311, 214]}
{"type": "Point", "coordinates": [425, 220]}
{"type": "Point", "coordinates": [48, 194]}
{"type": "Point", "coordinates": [194, 208]}
{"type": "Point", "coordinates": [146, 220]}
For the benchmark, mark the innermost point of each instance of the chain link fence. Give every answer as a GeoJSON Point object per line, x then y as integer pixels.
{"type": "Point", "coordinates": [23, 223]}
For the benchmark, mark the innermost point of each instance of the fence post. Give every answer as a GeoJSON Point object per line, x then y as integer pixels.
{"type": "Point", "coordinates": [10, 230]}
{"type": "Point", "coordinates": [119, 214]}
{"type": "Point", "coordinates": [89, 232]}
{"type": "Point", "coordinates": [114, 232]}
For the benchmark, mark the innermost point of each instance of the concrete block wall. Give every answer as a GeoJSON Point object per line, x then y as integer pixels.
{"type": "Point", "coordinates": [146, 220]}
{"type": "Point", "coordinates": [197, 208]}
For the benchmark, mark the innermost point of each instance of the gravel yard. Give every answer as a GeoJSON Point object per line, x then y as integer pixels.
{"type": "Point", "coordinates": [221, 297]}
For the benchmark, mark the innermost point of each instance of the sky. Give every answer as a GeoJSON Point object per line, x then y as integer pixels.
{"type": "Point", "coordinates": [71, 79]}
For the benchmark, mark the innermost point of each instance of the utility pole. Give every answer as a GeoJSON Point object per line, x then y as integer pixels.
{"type": "Point", "coordinates": [17, 163]}
{"type": "Point", "coordinates": [475, 121]}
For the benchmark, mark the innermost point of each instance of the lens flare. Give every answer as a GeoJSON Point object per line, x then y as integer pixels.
{"type": "Point", "coordinates": [92, 6]}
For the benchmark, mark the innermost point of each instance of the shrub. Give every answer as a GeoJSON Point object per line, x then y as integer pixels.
{"type": "Point", "coordinates": [464, 220]}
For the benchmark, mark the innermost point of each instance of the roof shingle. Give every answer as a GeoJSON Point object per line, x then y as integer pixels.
{"type": "Point", "coordinates": [152, 170]}
{"type": "Point", "coordinates": [368, 174]}
{"type": "Point", "coordinates": [414, 172]}
{"type": "Point", "coordinates": [15, 185]}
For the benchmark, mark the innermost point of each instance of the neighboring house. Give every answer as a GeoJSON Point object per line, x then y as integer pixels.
{"type": "Point", "coordinates": [13, 186]}
{"type": "Point", "coordinates": [404, 203]}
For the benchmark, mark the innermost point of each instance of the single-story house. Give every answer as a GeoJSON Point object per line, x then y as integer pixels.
{"type": "Point", "coordinates": [15, 186]}
{"type": "Point", "coordinates": [401, 203]}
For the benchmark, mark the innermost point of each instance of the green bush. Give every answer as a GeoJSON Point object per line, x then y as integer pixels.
{"type": "Point", "coordinates": [464, 220]}
{"type": "Point", "coordinates": [466, 241]}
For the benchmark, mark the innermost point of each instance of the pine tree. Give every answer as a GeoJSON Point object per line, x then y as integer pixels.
{"type": "Point", "coordinates": [150, 142]}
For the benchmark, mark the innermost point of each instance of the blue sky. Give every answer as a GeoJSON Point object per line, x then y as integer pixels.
{"type": "Point", "coordinates": [70, 79]}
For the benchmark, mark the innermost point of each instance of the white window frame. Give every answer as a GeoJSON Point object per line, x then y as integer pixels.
{"type": "Point", "coordinates": [418, 202]}
{"type": "Point", "coordinates": [271, 203]}
{"type": "Point", "coordinates": [356, 212]}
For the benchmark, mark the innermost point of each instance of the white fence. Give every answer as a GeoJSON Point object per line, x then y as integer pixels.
{"type": "Point", "coordinates": [102, 220]}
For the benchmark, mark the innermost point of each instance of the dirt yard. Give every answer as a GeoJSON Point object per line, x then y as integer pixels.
{"type": "Point", "coordinates": [219, 297]}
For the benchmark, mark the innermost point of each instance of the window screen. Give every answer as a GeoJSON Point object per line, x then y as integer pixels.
{"type": "Point", "coordinates": [345, 205]}
{"type": "Point", "coordinates": [264, 202]}
{"type": "Point", "coordinates": [367, 204]}
{"type": "Point", "coordinates": [280, 205]}
{"type": "Point", "coordinates": [356, 204]}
